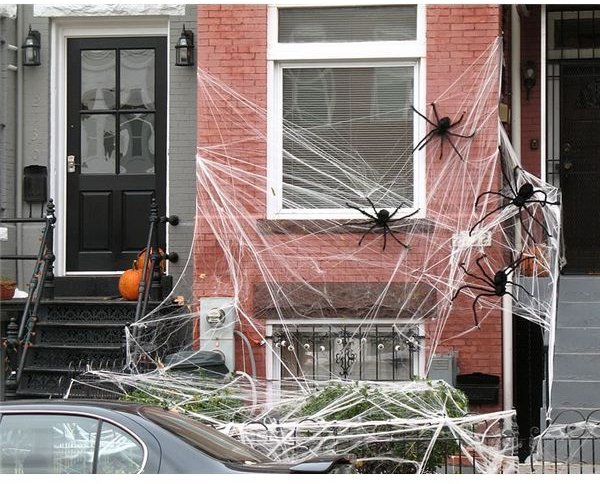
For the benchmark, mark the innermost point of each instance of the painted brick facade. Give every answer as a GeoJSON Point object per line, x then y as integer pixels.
{"type": "Point", "coordinates": [232, 43]}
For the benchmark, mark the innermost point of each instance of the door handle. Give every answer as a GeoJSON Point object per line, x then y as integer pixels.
{"type": "Point", "coordinates": [71, 164]}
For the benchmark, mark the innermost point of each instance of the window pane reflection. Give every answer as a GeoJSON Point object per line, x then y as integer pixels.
{"type": "Point", "coordinates": [97, 143]}
{"type": "Point", "coordinates": [47, 444]}
{"type": "Point", "coordinates": [98, 79]}
{"type": "Point", "coordinates": [137, 143]}
{"type": "Point", "coordinates": [137, 79]}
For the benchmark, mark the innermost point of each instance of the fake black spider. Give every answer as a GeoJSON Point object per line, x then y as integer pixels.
{"type": "Point", "coordinates": [493, 286]}
{"type": "Point", "coordinates": [520, 198]}
{"type": "Point", "coordinates": [382, 218]}
{"type": "Point", "coordinates": [441, 128]}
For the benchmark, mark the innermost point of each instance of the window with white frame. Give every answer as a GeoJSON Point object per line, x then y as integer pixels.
{"type": "Point", "coordinates": [331, 349]}
{"type": "Point", "coordinates": [341, 124]}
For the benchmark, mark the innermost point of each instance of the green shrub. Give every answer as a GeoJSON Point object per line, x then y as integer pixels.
{"type": "Point", "coordinates": [220, 405]}
{"type": "Point", "coordinates": [394, 453]}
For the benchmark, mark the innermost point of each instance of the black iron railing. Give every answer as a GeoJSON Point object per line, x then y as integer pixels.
{"type": "Point", "coordinates": [18, 339]}
{"type": "Point", "coordinates": [570, 444]}
{"type": "Point", "coordinates": [150, 288]}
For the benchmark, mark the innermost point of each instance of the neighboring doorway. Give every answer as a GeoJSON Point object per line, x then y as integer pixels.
{"type": "Point", "coordinates": [580, 164]}
{"type": "Point", "coordinates": [528, 379]}
{"type": "Point", "coordinates": [116, 148]}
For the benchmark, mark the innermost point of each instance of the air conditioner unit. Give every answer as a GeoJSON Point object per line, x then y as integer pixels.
{"type": "Point", "coordinates": [443, 367]}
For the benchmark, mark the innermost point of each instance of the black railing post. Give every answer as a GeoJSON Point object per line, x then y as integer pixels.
{"type": "Point", "coordinates": [155, 283]}
{"type": "Point", "coordinates": [48, 286]}
{"type": "Point", "coordinates": [12, 345]}
{"type": "Point", "coordinates": [3, 366]}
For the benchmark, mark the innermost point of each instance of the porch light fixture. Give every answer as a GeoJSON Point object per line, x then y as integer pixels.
{"type": "Point", "coordinates": [184, 49]}
{"type": "Point", "coordinates": [31, 48]}
{"type": "Point", "coordinates": [529, 77]}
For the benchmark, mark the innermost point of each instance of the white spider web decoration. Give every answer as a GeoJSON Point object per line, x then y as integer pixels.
{"type": "Point", "coordinates": [296, 260]}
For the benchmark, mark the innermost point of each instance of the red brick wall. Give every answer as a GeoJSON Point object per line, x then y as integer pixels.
{"type": "Point", "coordinates": [232, 45]}
{"type": "Point", "coordinates": [456, 36]}
{"type": "Point", "coordinates": [530, 109]}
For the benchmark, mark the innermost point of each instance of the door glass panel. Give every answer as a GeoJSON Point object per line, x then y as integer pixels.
{"type": "Point", "coordinates": [98, 79]}
{"type": "Point", "coordinates": [47, 444]}
{"type": "Point", "coordinates": [137, 79]}
{"type": "Point", "coordinates": [118, 452]}
{"type": "Point", "coordinates": [97, 143]}
{"type": "Point", "coordinates": [137, 143]}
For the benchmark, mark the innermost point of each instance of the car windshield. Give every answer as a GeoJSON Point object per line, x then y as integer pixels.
{"type": "Point", "coordinates": [203, 437]}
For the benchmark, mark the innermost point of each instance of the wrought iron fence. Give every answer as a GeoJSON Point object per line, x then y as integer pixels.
{"type": "Point", "coordinates": [371, 352]}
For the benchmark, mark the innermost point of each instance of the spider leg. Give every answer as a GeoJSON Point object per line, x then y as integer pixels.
{"type": "Point", "coordinates": [442, 138]}
{"type": "Point", "coordinates": [365, 234]}
{"type": "Point", "coordinates": [459, 120]}
{"type": "Point", "coordinates": [466, 286]}
{"type": "Point", "coordinates": [436, 113]}
{"type": "Point", "coordinates": [396, 238]}
{"type": "Point", "coordinates": [361, 211]}
{"type": "Point", "coordinates": [545, 201]}
{"type": "Point", "coordinates": [424, 117]}
{"type": "Point", "coordinates": [372, 205]}
{"type": "Point", "coordinates": [426, 139]}
{"type": "Point", "coordinates": [461, 135]}
{"type": "Point", "coordinates": [454, 146]}
{"type": "Point", "coordinates": [475, 303]}
{"type": "Point", "coordinates": [510, 268]}
{"type": "Point", "coordinates": [505, 177]}
{"type": "Point", "coordinates": [490, 193]}
{"type": "Point", "coordinates": [537, 221]}
{"type": "Point", "coordinates": [485, 274]}
{"type": "Point", "coordinates": [385, 229]}
{"type": "Point", "coordinates": [502, 207]}
{"type": "Point", "coordinates": [525, 226]}
{"type": "Point", "coordinates": [396, 211]}
{"type": "Point", "coordinates": [519, 285]}
{"type": "Point", "coordinates": [404, 217]}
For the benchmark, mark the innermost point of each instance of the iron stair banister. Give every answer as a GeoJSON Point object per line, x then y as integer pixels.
{"type": "Point", "coordinates": [41, 279]}
{"type": "Point", "coordinates": [153, 255]}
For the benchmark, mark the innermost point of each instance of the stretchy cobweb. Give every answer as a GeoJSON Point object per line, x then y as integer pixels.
{"type": "Point", "coordinates": [278, 265]}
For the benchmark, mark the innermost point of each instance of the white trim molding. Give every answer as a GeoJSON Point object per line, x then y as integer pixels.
{"type": "Point", "coordinates": [338, 55]}
{"type": "Point", "coordinates": [107, 10]}
{"type": "Point", "coordinates": [61, 30]}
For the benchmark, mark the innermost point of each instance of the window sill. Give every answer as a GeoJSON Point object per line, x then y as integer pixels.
{"type": "Point", "coordinates": [343, 226]}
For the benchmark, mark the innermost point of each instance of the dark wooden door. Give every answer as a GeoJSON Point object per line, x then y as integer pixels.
{"type": "Point", "coordinates": [116, 147]}
{"type": "Point", "coordinates": [580, 164]}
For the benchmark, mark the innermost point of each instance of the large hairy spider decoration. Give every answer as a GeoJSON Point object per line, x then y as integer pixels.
{"type": "Point", "coordinates": [382, 219]}
{"type": "Point", "coordinates": [441, 128]}
{"type": "Point", "coordinates": [520, 198]}
{"type": "Point", "coordinates": [492, 286]}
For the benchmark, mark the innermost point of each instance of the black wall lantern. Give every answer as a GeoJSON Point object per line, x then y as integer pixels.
{"type": "Point", "coordinates": [184, 49]}
{"type": "Point", "coordinates": [31, 48]}
{"type": "Point", "coordinates": [529, 77]}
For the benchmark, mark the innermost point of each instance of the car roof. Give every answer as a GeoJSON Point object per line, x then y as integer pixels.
{"type": "Point", "coordinates": [128, 407]}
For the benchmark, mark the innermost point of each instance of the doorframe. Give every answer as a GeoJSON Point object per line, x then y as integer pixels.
{"type": "Point", "coordinates": [61, 30]}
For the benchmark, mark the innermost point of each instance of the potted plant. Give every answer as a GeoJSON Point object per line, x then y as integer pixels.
{"type": "Point", "coordinates": [7, 288]}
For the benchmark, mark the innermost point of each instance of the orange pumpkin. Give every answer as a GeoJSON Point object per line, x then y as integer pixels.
{"type": "Point", "coordinates": [129, 283]}
{"type": "Point", "coordinates": [142, 255]}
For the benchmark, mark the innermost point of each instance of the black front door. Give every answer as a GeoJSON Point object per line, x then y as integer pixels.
{"type": "Point", "coordinates": [116, 148]}
{"type": "Point", "coordinates": [580, 164]}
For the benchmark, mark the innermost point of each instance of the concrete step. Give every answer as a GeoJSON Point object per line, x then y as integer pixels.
{"type": "Point", "coordinates": [579, 288]}
{"type": "Point", "coordinates": [575, 394]}
{"type": "Point", "coordinates": [577, 366]}
{"type": "Point", "coordinates": [578, 339]}
{"type": "Point", "coordinates": [578, 314]}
